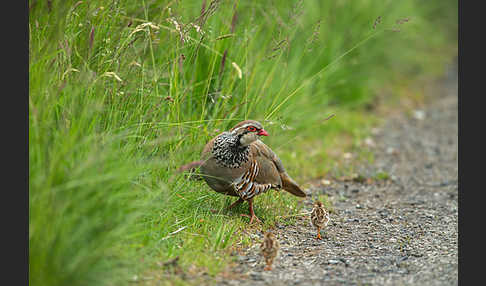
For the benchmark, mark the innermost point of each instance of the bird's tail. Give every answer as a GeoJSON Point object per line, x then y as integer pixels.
{"type": "Point", "coordinates": [291, 186]}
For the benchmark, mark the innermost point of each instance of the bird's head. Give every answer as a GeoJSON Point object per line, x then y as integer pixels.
{"type": "Point", "coordinates": [270, 235]}
{"type": "Point", "coordinates": [318, 204]}
{"type": "Point", "coordinates": [248, 131]}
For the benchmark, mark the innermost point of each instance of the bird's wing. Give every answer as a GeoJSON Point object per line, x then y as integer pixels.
{"type": "Point", "coordinates": [275, 168]}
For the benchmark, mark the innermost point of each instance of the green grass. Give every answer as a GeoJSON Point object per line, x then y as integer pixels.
{"type": "Point", "coordinates": [119, 99]}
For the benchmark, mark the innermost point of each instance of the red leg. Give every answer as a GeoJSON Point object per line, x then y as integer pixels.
{"type": "Point", "coordinates": [319, 233]}
{"type": "Point", "coordinates": [252, 215]}
{"type": "Point", "coordinates": [269, 264]}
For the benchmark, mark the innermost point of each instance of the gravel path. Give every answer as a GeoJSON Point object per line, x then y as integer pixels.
{"type": "Point", "coordinates": [399, 231]}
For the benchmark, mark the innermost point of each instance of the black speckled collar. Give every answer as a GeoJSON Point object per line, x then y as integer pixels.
{"type": "Point", "coordinates": [228, 152]}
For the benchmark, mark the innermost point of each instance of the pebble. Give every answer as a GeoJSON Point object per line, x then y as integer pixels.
{"type": "Point", "coordinates": [369, 142]}
{"type": "Point", "coordinates": [325, 182]}
{"type": "Point", "coordinates": [419, 114]}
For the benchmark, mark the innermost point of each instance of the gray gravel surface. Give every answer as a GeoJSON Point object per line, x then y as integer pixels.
{"type": "Point", "coordinates": [399, 231]}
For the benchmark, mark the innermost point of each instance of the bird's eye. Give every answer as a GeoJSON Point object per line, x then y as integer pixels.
{"type": "Point", "coordinates": [251, 128]}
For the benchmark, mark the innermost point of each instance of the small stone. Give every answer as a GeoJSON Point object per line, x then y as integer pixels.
{"type": "Point", "coordinates": [416, 254]}
{"type": "Point", "coordinates": [347, 155]}
{"type": "Point", "coordinates": [403, 258]}
{"type": "Point", "coordinates": [369, 142]}
{"type": "Point", "coordinates": [346, 263]}
{"type": "Point", "coordinates": [325, 182]}
{"type": "Point", "coordinates": [256, 276]}
{"type": "Point", "coordinates": [419, 114]}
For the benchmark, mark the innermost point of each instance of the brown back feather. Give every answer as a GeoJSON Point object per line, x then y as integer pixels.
{"type": "Point", "coordinates": [288, 183]}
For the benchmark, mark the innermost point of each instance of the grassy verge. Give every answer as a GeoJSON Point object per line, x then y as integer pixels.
{"type": "Point", "coordinates": [124, 92]}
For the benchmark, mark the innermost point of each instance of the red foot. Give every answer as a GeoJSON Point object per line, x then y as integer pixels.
{"type": "Point", "coordinates": [252, 218]}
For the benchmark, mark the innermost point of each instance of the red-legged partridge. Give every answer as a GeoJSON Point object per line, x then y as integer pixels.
{"type": "Point", "coordinates": [269, 248]}
{"type": "Point", "coordinates": [319, 217]}
{"type": "Point", "coordinates": [237, 163]}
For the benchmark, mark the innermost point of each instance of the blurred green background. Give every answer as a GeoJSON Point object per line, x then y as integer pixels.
{"type": "Point", "coordinates": [124, 92]}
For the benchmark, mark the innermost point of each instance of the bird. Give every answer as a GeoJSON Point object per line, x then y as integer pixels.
{"type": "Point", "coordinates": [269, 248]}
{"type": "Point", "coordinates": [237, 163]}
{"type": "Point", "coordinates": [319, 217]}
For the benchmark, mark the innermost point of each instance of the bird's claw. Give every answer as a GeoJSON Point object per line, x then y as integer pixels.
{"type": "Point", "coordinates": [252, 218]}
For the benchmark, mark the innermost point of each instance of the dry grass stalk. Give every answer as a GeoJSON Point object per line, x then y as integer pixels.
{"type": "Point", "coordinates": [238, 70]}
{"type": "Point", "coordinates": [315, 36]}
{"type": "Point", "coordinates": [213, 6]}
{"type": "Point", "coordinates": [234, 19]}
{"type": "Point", "coordinates": [181, 61]}
{"type": "Point", "coordinates": [91, 39]}
{"type": "Point", "coordinates": [296, 12]}
{"type": "Point", "coordinates": [113, 75]}
{"type": "Point", "coordinates": [223, 61]}
{"type": "Point", "coordinates": [77, 4]}
{"type": "Point", "coordinates": [401, 21]}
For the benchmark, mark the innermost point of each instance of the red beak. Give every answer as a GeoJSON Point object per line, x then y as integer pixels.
{"type": "Point", "coordinates": [262, 132]}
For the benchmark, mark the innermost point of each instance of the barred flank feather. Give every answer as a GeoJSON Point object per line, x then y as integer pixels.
{"type": "Point", "coordinates": [246, 187]}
